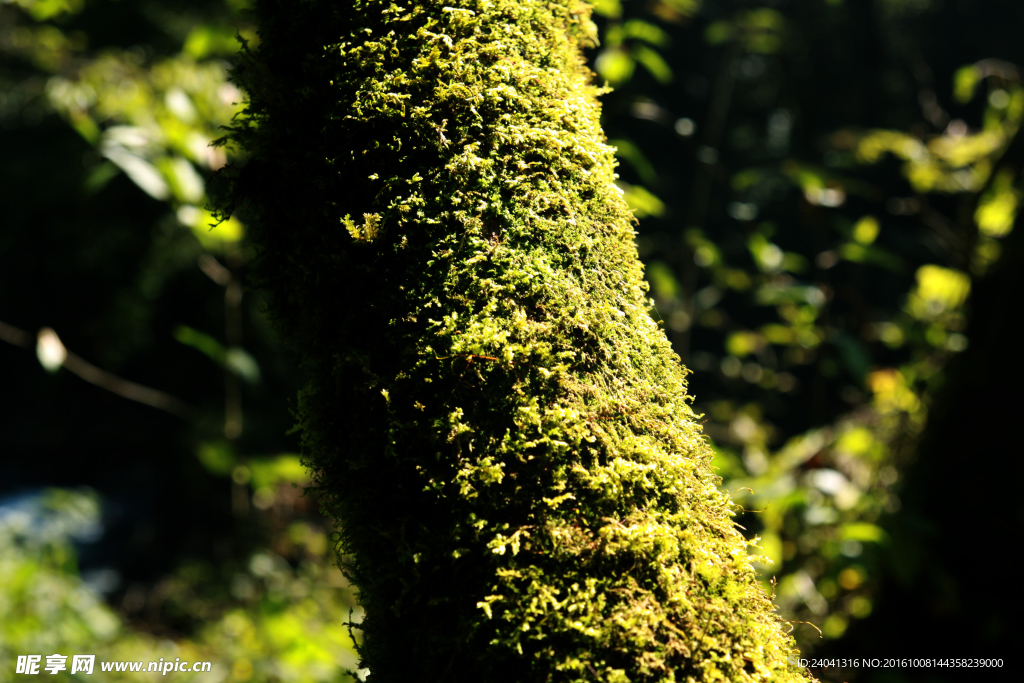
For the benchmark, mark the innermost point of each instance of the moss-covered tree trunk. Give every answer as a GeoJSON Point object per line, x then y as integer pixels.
{"type": "Point", "coordinates": [500, 429]}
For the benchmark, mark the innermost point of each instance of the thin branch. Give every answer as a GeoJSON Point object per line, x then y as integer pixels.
{"type": "Point", "coordinates": [214, 270]}
{"type": "Point", "coordinates": [124, 388]}
{"type": "Point", "coordinates": [233, 336]}
{"type": "Point", "coordinates": [12, 335]}
{"type": "Point", "coordinates": [94, 375]}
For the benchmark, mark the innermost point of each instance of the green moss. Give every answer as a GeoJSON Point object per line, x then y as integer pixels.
{"type": "Point", "coordinates": [500, 429]}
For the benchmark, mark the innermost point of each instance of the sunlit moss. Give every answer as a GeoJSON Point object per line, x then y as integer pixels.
{"type": "Point", "coordinates": [498, 425]}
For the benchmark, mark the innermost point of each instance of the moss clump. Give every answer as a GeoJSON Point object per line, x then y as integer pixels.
{"type": "Point", "coordinates": [500, 429]}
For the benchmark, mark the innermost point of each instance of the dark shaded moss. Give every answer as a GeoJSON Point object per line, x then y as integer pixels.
{"type": "Point", "coordinates": [500, 429]}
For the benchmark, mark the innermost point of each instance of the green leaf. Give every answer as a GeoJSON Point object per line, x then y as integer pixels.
{"type": "Point", "coordinates": [629, 152]}
{"type": "Point", "coordinates": [218, 458]}
{"type": "Point", "coordinates": [653, 62]}
{"type": "Point", "coordinates": [201, 342]}
{"type": "Point", "coordinates": [611, 9]}
{"type": "Point", "coordinates": [211, 41]}
{"type": "Point", "coordinates": [663, 281]}
{"type": "Point", "coordinates": [41, 10]}
{"type": "Point", "coordinates": [242, 364]}
{"type": "Point", "coordinates": [286, 468]}
{"type": "Point", "coordinates": [965, 81]}
{"type": "Point", "coordinates": [615, 66]}
{"type": "Point", "coordinates": [647, 32]}
{"type": "Point", "coordinates": [718, 32]}
{"type": "Point", "coordinates": [235, 359]}
{"type": "Point", "coordinates": [864, 532]}
{"type": "Point", "coordinates": [641, 202]}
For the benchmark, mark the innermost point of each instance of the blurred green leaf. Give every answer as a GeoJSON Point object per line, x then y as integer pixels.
{"type": "Point", "coordinates": [866, 230]}
{"type": "Point", "coordinates": [762, 29]}
{"type": "Point", "coordinates": [615, 65]}
{"type": "Point", "coordinates": [681, 8]}
{"type": "Point", "coordinates": [611, 9]}
{"type": "Point", "coordinates": [629, 152]}
{"type": "Point", "coordinates": [647, 32]}
{"type": "Point", "coordinates": [663, 281]}
{"type": "Point", "coordinates": [242, 364]}
{"type": "Point", "coordinates": [719, 32]}
{"type": "Point", "coordinates": [938, 289]}
{"type": "Point", "coordinates": [653, 62]}
{"type": "Point", "coordinates": [742, 343]}
{"type": "Point", "coordinates": [279, 469]}
{"type": "Point", "coordinates": [997, 208]}
{"type": "Point", "coordinates": [862, 531]}
{"type": "Point", "coordinates": [98, 176]}
{"type": "Point", "coordinates": [205, 41]}
{"type": "Point", "coordinates": [859, 253]}
{"type": "Point", "coordinates": [218, 457]}
{"type": "Point", "coordinates": [41, 10]}
{"type": "Point", "coordinates": [201, 342]}
{"type": "Point", "coordinates": [235, 359]}
{"type": "Point", "coordinates": [641, 202]}
{"type": "Point", "coordinates": [965, 81]}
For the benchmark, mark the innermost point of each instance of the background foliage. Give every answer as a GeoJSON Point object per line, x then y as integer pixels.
{"type": "Point", "coordinates": [826, 193]}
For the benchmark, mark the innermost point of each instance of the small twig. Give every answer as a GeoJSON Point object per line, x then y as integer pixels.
{"type": "Point", "coordinates": [214, 270]}
{"type": "Point", "coordinates": [797, 621]}
{"type": "Point", "coordinates": [94, 375]}
{"type": "Point", "coordinates": [124, 388]}
{"type": "Point", "coordinates": [704, 626]}
{"type": "Point", "coordinates": [470, 356]}
{"type": "Point", "coordinates": [12, 335]}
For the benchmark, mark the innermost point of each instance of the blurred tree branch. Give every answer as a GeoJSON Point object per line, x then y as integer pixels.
{"type": "Point", "coordinates": [50, 346]}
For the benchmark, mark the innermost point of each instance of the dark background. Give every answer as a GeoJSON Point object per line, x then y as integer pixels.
{"type": "Point", "coordinates": [741, 127]}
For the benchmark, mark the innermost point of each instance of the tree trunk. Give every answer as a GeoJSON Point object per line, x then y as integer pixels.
{"type": "Point", "coordinates": [501, 431]}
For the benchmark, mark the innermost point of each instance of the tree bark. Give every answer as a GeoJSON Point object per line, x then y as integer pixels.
{"type": "Point", "coordinates": [499, 428]}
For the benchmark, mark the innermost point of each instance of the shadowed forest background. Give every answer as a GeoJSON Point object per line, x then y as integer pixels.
{"type": "Point", "coordinates": [826, 194]}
